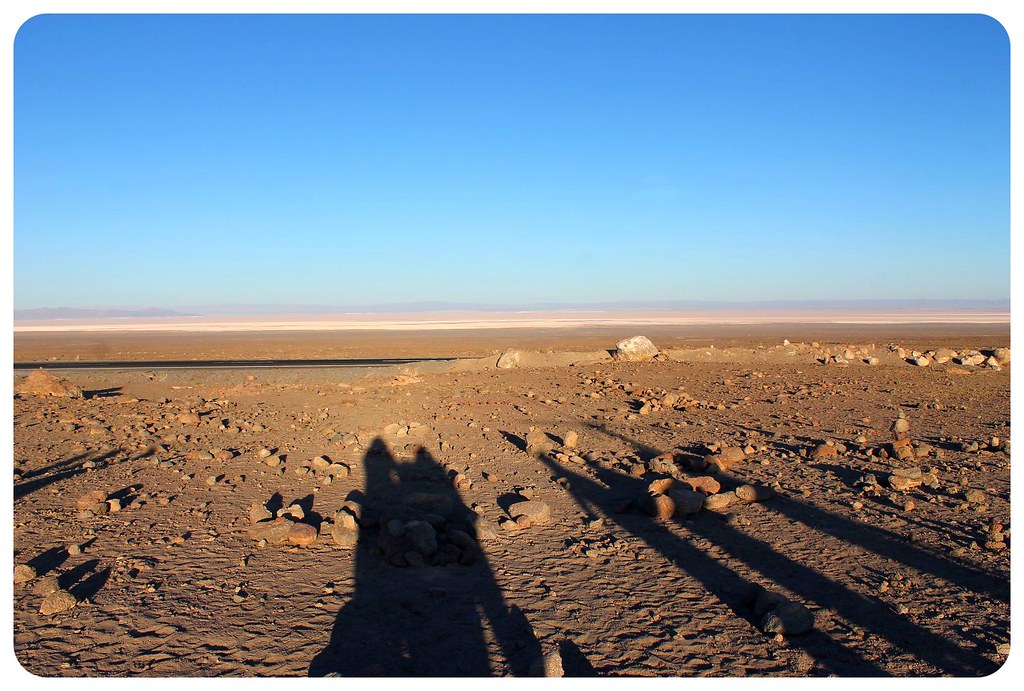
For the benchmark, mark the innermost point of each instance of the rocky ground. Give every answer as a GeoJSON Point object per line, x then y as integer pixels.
{"type": "Point", "coordinates": [785, 510]}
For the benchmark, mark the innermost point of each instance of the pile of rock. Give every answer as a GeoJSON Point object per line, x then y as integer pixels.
{"type": "Point", "coordinates": [994, 359]}
{"type": "Point", "coordinates": [287, 527]}
{"type": "Point", "coordinates": [42, 383]}
{"type": "Point", "coordinates": [425, 531]}
{"type": "Point", "coordinates": [416, 430]}
{"type": "Point", "coordinates": [323, 469]}
{"type": "Point", "coordinates": [96, 503]}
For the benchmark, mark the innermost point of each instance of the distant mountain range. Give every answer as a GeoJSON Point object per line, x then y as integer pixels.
{"type": "Point", "coordinates": [54, 313]}
{"type": "Point", "coordinates": [248, 310]}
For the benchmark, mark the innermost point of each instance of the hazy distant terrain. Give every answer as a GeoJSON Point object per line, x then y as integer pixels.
{"type": "Point", "coordinates": [451, 315]}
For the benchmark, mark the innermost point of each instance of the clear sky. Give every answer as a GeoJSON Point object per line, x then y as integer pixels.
{"type": "Point", "coordinates": [186, 160]}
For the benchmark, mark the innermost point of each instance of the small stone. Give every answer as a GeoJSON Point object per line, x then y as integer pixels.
{"type": "Point", "coordinates": [275, 532]}
{"type": "Point", "coordinates": [188, 418]}
{"type": "Point", "coordinates": [549, 665]}
{"type": "Point", "coordinates": [302, 534]}
{"type": "Point", "coordinates": [57, 602]}
{"type": "Point", "coordinates": [91, 499]}
{"type": "Point", "coordinates": [344, 538]}
{"type": "Point", "coordinates": [790, 618]}
{"type": "Point", "coordinates": [901, 425]}
{"type": "Point", "coordinates": [718, 502]}
{"type": "Point", "coordinates": [661, 507]}
{"type": "Point", "coordinates": [46, 585]}
{"type": "Point", "coordinates": [23, 573]}
{"type": "Point", "coordinates": [661, 486]}
{"type": "Point", "coordinates": [703, 483]}
{"type": "Point", "coordinates": [975, 496]}
{"type": "Point", "coordinates": [571, 439]}
{"type": "Point", "coordinates": [422, 536]}
{"type": "Point", "coordinates": [824, 451]}
{"type": "Point", "coordinates": [726, 458]}
{"type": "Point", "coordinates": [258, 512]}
{"type": "Point", "coordinates": [264, 453]}
{"type": "Point", "coordinates": [687, 502]}
{"type": "Point", "coordinates": [538, 512]}
{"type": "Point", "coordinates": [754, 493]}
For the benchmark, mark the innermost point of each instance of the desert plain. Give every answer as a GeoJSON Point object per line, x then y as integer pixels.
{"type": "Point", "coordinates": [753, 500]}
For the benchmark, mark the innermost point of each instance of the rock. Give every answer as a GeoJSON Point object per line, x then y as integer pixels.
{"type": "Point", "coordinates": [188, 418]}
{"type": "Point", "coordinates": [1002, 355]}
{"type": "Point", "coordinates": [901, 425]}
{"type": "Point", "coordinates": [571, 439]}
{"type": "Point", "coordinates": [703, 483]}
{"type": "Point", "coordinates": [824, 451]}
{"type": "Point", "coordinates": [538, 443]}
{"type": "Point", "coordinates": [754, 493]}
{"type": "Point", "coordinates": [789, 618]}
{"type": "Point", "coordinates": [57, 602]}
{"type": "Point", "coordinates": [920, 361]}
{"type": "Point", "coordinates": [727, 457]}
{"type": "Point", "coordinates": [433, 502]}
{"type": "Point", "coordinates": [346, 519]}
{"type": "Point", "coordinates": [536, 510]}
{"type": "Point", "coordinates": [635, 349]}
{"type": "Point", "coordinates": [687, 502]}
{"type": "Point", "coordinates": [343, 537]}
{"type": "Point", "coordinates": [549, 665]}
{"type": "Point", "coordinates": [91, 500]}
{"type": "Point", "coordinates": [275, 532]}
{"type": "Point", "coordinates": [483, 529]}
{"type": "Point", "coordinates": [661, 486]}
{"type": "Point", "coordinates": [42, 383]}
{"type": "Point", "coordinates": [660, 506]}
{"type": "Point", "coordinates": [903, 479]}
{"type": "Point", "coordinates": [301, 534]}
{"type": "Point", "coordinates": [718, 502]}
{"type": "Point", "coordinates": [23, 573]}
{"type": "Point", "coordinates": [766, 601]}
{"type": "Point", "coordinates": [509, 359]}
{"type": "Point", "coordinates": [422, 536]}
{"type": "Point", "coordinates": [258, 512]}
{"type": "Point", "coordinates": [943, 355]}
{"type": "Point", "coordinates": [263, 453]}
{"type": "Point", "coordinates": [975, 496]}
{"type": "Point", "coordinates": [664, 463]}
{"type": "Point", "coordinates": [46, 585]}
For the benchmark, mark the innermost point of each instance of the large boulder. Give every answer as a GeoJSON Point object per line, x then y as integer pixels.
{"type": "Point", "coordinates": [509, 359]}
{"type": "Point", "coordinates": [42, 383]}
{"type": "Point", "coordinates": [635, 349]}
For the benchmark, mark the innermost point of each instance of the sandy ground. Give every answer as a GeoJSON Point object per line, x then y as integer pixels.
{"type": "Point", "coordinates": [899, 582]}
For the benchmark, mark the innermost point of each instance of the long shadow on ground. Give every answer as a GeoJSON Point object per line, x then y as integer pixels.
{"type": "Point", "coordinates": [428, 620]}
{"type": "Point", "coordinates": [607, 492]}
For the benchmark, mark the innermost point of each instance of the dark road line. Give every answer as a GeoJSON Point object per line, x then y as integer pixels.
{"type": "Point", "coordinates": [227, 364]}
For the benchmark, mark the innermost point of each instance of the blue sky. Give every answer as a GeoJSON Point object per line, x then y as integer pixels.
{"type": "Point", "coordinates": [346, 160]}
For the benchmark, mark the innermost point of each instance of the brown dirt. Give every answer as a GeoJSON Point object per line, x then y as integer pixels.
{"type": "Point", "coordinates": [176, 585]}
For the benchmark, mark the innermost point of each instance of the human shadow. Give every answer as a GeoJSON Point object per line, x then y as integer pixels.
{"type": "Point", "coordinates": [606, 492]}
{"type": "Point", "coordinates": [421, 610]}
